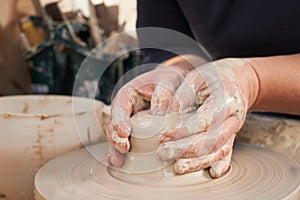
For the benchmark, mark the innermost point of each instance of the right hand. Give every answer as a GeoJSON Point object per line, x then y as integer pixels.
{"type": "Point", "coordinates": [153, 89]}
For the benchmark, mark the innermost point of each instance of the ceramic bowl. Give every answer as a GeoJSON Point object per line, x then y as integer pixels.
{"type": "Point", "coordinates": [35, 129]}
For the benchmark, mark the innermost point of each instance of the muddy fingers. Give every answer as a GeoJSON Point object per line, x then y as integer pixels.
{"type": "Point", "coordinates": [187, 165]}
{"type": "Point", "coordinates": [219, 168]}
{"type": "Point", "coordinates": [199, 144]}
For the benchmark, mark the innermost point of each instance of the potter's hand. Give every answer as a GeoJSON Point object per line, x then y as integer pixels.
{"type": "Point", "coordinates": [225, 90]}
{"type": "Point", "coordinates": [153, 89]}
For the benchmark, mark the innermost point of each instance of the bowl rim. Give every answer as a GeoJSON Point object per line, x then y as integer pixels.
{"type": "Point", "coordinates": [6, 115]}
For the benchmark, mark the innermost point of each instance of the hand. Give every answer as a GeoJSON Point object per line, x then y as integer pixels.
{"type": "Point", "coordinates": [224, 90]}
{"type": "Point", "coordinates": [157, 87]}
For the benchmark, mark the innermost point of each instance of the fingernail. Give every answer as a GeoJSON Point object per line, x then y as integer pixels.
{"type": "Point", "coordinates": [182, 167]}
{"type": "Point", "coordinates": [122, 147]}
{"type": "Point", "coordinates": [216, 172]}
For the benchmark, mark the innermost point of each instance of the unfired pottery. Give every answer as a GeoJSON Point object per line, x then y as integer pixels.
{"type": "Point", "coordinates": [35, 129]}
{"type": "Point", "coordinates": [255, 172]}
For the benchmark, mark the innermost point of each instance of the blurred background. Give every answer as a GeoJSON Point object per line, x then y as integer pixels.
{"type": "Point", "coordinates": [44, 42]}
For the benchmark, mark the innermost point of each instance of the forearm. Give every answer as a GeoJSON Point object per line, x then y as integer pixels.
{"type": "Point", "coordinates": [185, 63]}
{"type": "Point", "coordinates": [279, 83]}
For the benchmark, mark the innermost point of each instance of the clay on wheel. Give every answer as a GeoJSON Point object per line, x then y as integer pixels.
{"type": "Point", "coordinates": [147, 128]}
{"type": "Point", "coordinates": [255, 173]}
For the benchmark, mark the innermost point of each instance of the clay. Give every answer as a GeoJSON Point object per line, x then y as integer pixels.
{"type": "Point", "coordinates": [146, 132]}
{"type": "Point", "coordinates": [255, 173]}
{"type": "Point", "coordinates": [147, 129]}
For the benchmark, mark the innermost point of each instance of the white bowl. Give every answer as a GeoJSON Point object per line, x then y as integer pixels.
{"type": "Point", "coordinates": [35, 129]}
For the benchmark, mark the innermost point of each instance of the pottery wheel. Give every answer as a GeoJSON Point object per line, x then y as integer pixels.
{"type": "Point", "coordinates": [255, 173]}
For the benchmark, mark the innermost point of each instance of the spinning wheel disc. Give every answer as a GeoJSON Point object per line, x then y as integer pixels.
{"type": "Point", "coordinates": [255, 173]}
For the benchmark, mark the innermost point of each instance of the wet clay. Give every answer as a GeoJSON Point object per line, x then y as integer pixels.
{"type": "Point", "coordinates": [255, 172]}
{"type": "Point", "coordinates": [146, 132]}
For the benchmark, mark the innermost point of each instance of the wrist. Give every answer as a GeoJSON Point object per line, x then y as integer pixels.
{"type": "Point", "coordinates": [278, 77]}
{"type": "Point", "coordinates": [184, 63]}
{"type": "Point", "coordinates": [251, 85]}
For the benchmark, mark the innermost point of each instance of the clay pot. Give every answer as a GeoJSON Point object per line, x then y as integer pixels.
{"type": "Point", "coordinates": [35, 129]}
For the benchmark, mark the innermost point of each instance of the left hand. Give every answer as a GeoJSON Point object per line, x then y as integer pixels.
{"type": "Point", "coordinates": [224, 90]}
{"type": "Point", "coordinates": [153, 89]}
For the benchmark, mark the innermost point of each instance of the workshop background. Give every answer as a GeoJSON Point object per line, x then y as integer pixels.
{"type": "Point", "coordinates": [44, 42]}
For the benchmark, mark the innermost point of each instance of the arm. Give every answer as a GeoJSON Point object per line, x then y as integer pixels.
{"type": "Point", "coordinates": [229, 87]}
{"type": "Point", "coordinates": [278, 79]}
{"type": "Point", "coordinates": [279, 83]}
{"type": "Point", "coordinates": [186, 61]}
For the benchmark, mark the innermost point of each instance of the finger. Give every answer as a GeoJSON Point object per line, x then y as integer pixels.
{"type": "Point", "coordinates": [211, 114]}
{"type": "Point", "coordinates": [197, 123]}
{"type": "Point", "coordinates": [144, 84]}
{"type": "Point", "coordinates": [114, 157]}
{"type": "Point", "coordinates": [175, 134]}
{"type": "Point", "coordinates": [213, 140]}
{"type": "Point", "coordinates": [219, 168]}
{"type": "Point", "coordinates": [160, 100]}
{"type": "Point", "coordinates": [121, 144]}
{"type": "Point", "coordinates": [201, 144]}
{"type": "Point", "coordinates": [127, 102]}
{"type": "Point", "coordinates": [188, 165]}
{"type": "Point", "coordinates": [186, 94]}
{"type": "Point", "coordinates": [194, 125]}
{"type": "Point", "coordinates": [230, 128]}
{"type": "Point", "coordinates": [109, 129]}
{"type": "Point", "coordinates": [166, 84]}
